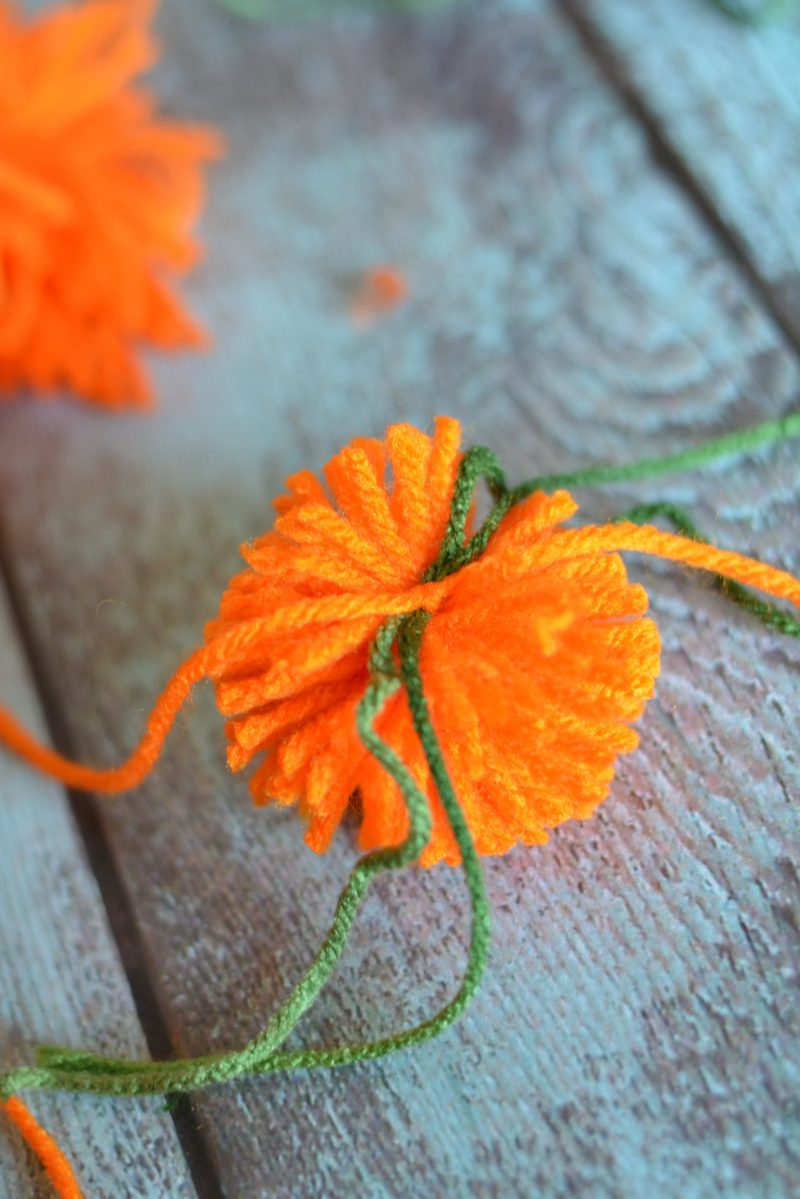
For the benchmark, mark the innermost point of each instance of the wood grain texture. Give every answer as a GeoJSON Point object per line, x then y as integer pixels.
{"type": "Point", "coordinates": [62, 981]}
{"type": "Point", "coordinates": [727, 98]}
{"type": "Point", "coordinates": [638, 1029]}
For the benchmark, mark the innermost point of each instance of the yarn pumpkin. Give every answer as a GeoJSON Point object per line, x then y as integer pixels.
{"type": "Point", "coordinates": [97, 198]}
{"type": "Point", "coordinates": [471, 688]}
{"type": "Point", "coordinates": [535, 660]}
{"type": "Point", "coordinates": [537, 655]}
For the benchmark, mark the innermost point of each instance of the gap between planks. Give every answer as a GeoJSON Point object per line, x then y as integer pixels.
{"type": "Point", "coordinates": [116, 904]}
{"type": "Point", "coordinates": [668, 158]}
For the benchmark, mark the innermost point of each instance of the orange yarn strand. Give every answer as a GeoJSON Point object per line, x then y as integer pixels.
{"type": "Point", "coordinates": [130, 773]}
{"type": "Point", "coordinates": [58, 1169]}
{"type": "Point", "coordinates": [646, 539]}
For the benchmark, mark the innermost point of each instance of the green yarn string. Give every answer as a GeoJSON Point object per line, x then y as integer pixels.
{"type": "Point", "coordinates": [749, 12]}
{"type": "Point", "coordinates": [769, 614]}
{"type": "Point", "coordinates": [62, 1069]}
{"type": "Point", "coordinates": [757, 13]}
{"type": "Point", "coordinates": [69, 1070]}
{"type": "Point", "coordinates": [295, 11]}
{"type": "Point", "coordinates": [739, 442]}
{"type": "Point", "coordinates": [480, 461]}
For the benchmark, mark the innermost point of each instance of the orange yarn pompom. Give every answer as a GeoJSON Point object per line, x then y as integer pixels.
{"type": "Point", "coordinates": [536, 656]}
{"type": "Point", "coordinates": [97, 196]}
{"type": "Point", "coordinates": [535, 660]}
{"type": "Point", "coordinates": [503, 699]}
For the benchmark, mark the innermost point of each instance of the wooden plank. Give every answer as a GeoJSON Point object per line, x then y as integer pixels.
{"type": "Point", "coordinates": [727, 98]}
{"type": "Point", "coordinates": [638, 1028]}
{"type": "Point", "coordinates": [62, 981]}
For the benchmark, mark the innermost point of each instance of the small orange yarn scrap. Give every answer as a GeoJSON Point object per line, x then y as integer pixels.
{"type": "Point", "coordinates": [97, 199]}
{"type": "Point", "coordinates": [535, 661]}
{"type": "Point", "coordinates": [380, 289]}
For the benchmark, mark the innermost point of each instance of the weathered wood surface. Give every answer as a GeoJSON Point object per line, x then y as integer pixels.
{"type": "Point", "coordinates": [727, 98]}
{"type": "Point", "coordinates": [638, 1029]}
{"type": "Point", "coordinates": [62, 982]}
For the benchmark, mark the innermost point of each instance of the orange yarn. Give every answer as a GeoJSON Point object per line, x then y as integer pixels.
{"type": "Point", "coordinates": [381, 289]}
{"type": "Point", "coordinates": [58, 1169]}
{"type": "Point", "coordinates": [537, 657]}
{"type": "Point", "coordinates": [530, 726]}
{"type": "Point", "coordinates": [97, 196]}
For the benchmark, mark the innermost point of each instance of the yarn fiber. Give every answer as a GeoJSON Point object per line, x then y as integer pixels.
{"type": "Point", "coordinates": [537, 655]}
{"type": "Point", "coordinates": [535, 661]}
{"type": "Point", "coordinates": [349, 569]}
{"type": "Point", "coordinates": [56, 1166]}
{"type": "Point", "coordinates": [98, 195]}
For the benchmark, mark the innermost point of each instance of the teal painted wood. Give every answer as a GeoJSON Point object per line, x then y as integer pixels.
{"type": "Point", "coordinates": [637, 1033]}
{"type": "Point", "coordinates": [62, 980]}
{"type": "Point", "coordinates": [727, 97]}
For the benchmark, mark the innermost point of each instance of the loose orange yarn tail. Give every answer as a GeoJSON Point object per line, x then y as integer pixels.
{"type": "Point", "coordinates": [618, 537]}
{"type": "Point", "coordinates": [58, 1169]}
{"type": "Point", "coordinates": [645, 539]}
{"type": "Point", "coordinates": [143, 758]}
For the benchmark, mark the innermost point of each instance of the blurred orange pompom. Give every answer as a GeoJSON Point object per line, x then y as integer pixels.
{"type": "Point", "coordinates": [97, 197]}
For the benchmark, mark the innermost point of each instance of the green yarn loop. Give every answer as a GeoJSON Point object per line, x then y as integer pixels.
{"type": "Point", "coordinates": [62, 1069]}
{"type": "Point", "coordinates": [68, 1070]}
